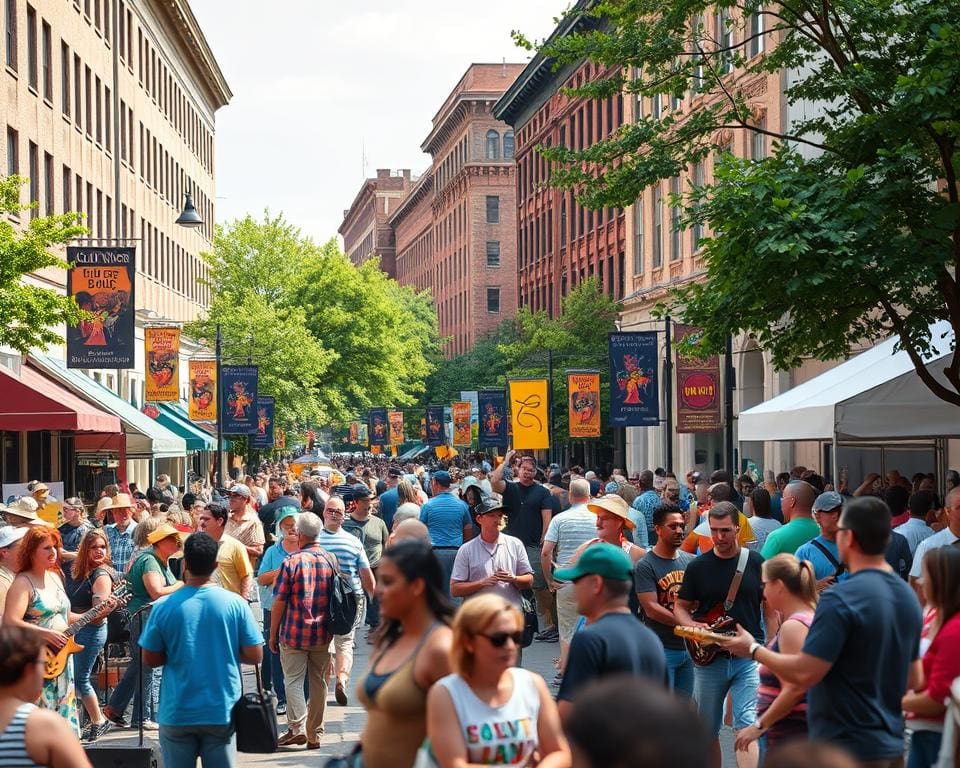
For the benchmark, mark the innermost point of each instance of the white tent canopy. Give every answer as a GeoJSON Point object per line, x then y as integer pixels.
{"type": "Point", "coordinates": [876, 395]}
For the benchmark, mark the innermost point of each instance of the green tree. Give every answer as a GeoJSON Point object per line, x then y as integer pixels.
{"type": "Point", "coordinates": [850, 230]}
{"type": "Point", "coordinates": [482, 367]}
{"type": "Point", "coordinates": [30, 313]}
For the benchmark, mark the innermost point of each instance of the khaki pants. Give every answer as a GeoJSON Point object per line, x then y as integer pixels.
{"type": "Point", "coordinates": [343, 646]}
{"type": "Point", "coordinates": [567, 615]}
{"type": "Point", "coordinates": [296, 664]}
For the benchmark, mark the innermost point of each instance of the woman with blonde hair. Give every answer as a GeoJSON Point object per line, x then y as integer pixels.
{"type": "Point", "coordinates": [467, 710]}
{"type": "Point", "coordinates": [790, 588]}
{"type": "Point", "coordinates": [406, 494]}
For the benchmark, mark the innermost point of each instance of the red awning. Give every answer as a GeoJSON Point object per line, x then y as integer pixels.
{"type": "Point", "coordinates": [30, 401]}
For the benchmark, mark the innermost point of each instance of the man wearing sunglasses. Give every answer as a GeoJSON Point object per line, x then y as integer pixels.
{"type": "Point", "coordinates": [613, 642]}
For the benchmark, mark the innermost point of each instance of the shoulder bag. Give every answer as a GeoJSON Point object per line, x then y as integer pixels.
{"type": "Point", "coordinates": [254, 720]}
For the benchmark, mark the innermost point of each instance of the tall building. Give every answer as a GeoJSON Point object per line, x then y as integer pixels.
{"type": "Point", "coordinates": [109, 109]}
{"type": "Point", "coordinates": [457, 230]}
{"type": "Point", "coordinates": [365, 229]}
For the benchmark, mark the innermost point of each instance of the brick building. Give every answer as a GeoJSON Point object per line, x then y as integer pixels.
{"type": "Point", "coordinates": [456, 232]}
{"type": "Point", "coordinates": [365, 228]}
{"type": "Point", "coordinates": [560, 242]}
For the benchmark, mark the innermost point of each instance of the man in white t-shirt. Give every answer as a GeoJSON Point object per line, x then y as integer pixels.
{"type": "Point", "coordinates": [948, 535]}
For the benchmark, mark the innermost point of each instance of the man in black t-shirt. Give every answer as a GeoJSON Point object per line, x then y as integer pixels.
{"type": "Point", "coordinates": [614, 641]}
{"type": "Point", "coordinates": [705, 587]}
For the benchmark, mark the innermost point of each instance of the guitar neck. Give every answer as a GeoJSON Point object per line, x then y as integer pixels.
{"type": "Point", "coordinates": [92, 615]}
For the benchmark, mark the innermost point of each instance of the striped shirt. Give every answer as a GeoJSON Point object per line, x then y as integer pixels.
{"type": "Point", "coordinates": [569, 531]}
{"type": "Point", "coordinates": [349, 553]}
{"type": "Point", "coordinates": [13, 742]}
{"type": "Point", "coordinates": [303, 584]}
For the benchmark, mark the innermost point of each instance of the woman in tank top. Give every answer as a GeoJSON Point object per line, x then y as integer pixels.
{"type": "Point", "coordinates": [489, 712]}
{"type": "Point", "coordinates": [790, 588]}
{"type": "Point", "coordinates": [29, 736]}
{"type": "Point", "coordinates": [412, 652]}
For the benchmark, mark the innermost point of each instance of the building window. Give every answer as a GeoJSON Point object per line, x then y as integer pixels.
{"type": "Point", "coordinates": [493, 253]}
{"type": "Point", "coordinates": [13, 152]}
{"type": "Point", "coordinates": [758, 141]}
{"type": "Point", "coordinates": [67, 189]}
{"type": "Point", "coordinates": [77, 93]}
{"type": "Point", "coordinates": [756, 31]}
{"type": "Point", "coordinates": [508, 145]}
{"type": "Point", "coordinates": [699, 179]}
{"type": "Point", "coordinates": [657, 226]}
{"type": "Point", "coordinates": [48, 184]}
{"type": "Point", "coordinates": [65, 78]}
{"type": "Point", "coordinates": [563, 221]}
{"type": "Point", "coordinates": [32, 71]}
{"type": "Point", "coordinates": [493, 145]}
{"type": "Point", "coordinates": [638, 236]}
{"type": "Point", "coordinates": [493, 209]}
{"type": "Point", "coordinates": [493, 301]}
{"type": "Point", "coordinates": [725, 41]}
{"type": "Point", "coordinates": [88, 97]}
{"type": "Point", "coordinates": [34, 161]}
{"type": "Point", "coordinates": [46, 41]}
{"type": "Point", "coordinates": [10, 29]}
{"type": "Point", "coordinates": [697, 29]}
{"type": "Point", "coordinates": [676, 250]}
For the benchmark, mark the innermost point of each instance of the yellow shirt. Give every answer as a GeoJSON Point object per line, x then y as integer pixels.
{"type": "Point", "coordinates": [233, 565]}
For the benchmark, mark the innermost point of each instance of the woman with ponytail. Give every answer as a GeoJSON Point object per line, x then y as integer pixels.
{"type": "Point", "coordinates": [790, 588]}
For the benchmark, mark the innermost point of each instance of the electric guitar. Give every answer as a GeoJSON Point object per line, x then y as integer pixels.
{"type": "Point", "coordinates": [55, 661]}
{"type": "Point", "coordinates": [702, 643]}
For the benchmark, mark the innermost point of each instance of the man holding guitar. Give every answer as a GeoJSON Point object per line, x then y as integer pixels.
{"type": "Point", "coordinates": [721, 588]}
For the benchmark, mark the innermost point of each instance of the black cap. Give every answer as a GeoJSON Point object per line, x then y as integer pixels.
{"type": "Point", "coordinates": [487, 505]}
{"type": "Point", "coordinates": [395, 472]}
{"type": "Point", "coordinates": [361, 491]}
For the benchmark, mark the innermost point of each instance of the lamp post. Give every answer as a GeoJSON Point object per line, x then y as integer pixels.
{"type": "Point", "coordinates": [189, 217]}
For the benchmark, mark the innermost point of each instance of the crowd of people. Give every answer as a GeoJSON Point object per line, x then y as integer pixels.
{"type": "Point", "coordinates": [823, 624]}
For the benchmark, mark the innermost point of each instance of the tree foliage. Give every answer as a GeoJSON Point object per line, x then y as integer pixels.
{"type": "Point", "coordinates": [29, 313]}
{"type": "Point", "coordinates": [482, 367]}
{"type": "Point", "coordinates": [850, 230]}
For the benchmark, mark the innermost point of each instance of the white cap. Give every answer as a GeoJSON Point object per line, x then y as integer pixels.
{"type": "Point", "coordinates": [10, 535]}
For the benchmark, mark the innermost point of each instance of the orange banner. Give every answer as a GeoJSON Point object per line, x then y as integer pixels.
{"type": "Point", "coordinates": [461, 423]}
{"type": "Point", "coordinates": [354, 432]}
{"type": "Point", "coordinates": [203, 390]}
{"type": "Point", "coordinates": [162, 347]}
{"type": "Point", "coordinates": [583, 403]}
{"type": "Point", "coordinates": [395, 419]}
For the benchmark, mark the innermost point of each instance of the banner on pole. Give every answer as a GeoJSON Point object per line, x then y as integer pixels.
{"type": "Point", "coordinates": [461, 423]}
{"type": "Point", "coordinates": [354, 432]}
{"type": "Point", "coordinates": [435, 435]}
{"type": "Point", "coordinates": [162, 353]}
{"type": "Point", "coordinates": [363, 434]}
{"type": "Point", "coordinates": [395, 418]}
{"type": "Point", "coordinates": [202, 398]}
{"type": "Point", "coordinates": [583, 403]}
{"type": "Point", "coordinates": [529, 416]}
{"type": "Point", "coordinates": [102, 280]}
{"type": "Point", "coordinates": [238, 388]}
{"type": "Point", "coordinates": [634, 383]}
{"type": "Point", "coordinates": [493, 418]}
{"type": "Point", "coordinates": [698, 389]}
{"type": "Point", "coordinates": [377, 418]}
{"type": "Point", "coordinates": [263, 437]}
{"type": "Point", "coordinates": [281, 439]}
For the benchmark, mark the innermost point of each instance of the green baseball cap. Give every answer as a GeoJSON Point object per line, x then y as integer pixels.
{"type": "Point", "coordinates": [600, 559]}
{"type": "Point", "coordinates": [284, 513]}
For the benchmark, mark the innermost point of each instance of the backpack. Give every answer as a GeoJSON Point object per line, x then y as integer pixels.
{"type": "Point", "coordinates": [341, 601]}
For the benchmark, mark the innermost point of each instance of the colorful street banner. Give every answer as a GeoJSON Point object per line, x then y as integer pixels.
{"type": "Point", "coordinates": [493, 418]}
{"type": "Point", "coordinates": [101, 280]}
{"type": "Point", "coordinates": [528, 414]}
{"type": "Point", "coordinates": [238, 393]}
{"type": "Point", "coordinates": [435, 431]}
{"type": "Point", "coordinates": [583, 403]}
{"type": "Point", "coordinates": [280, 442]}
{"type": "Point", "coordinates": [363, 434]}
{"type": "Point", "coordinates": [162, 352]}
{"type": "Point", "coordinates": [460, 412]}
{"type": "Point", "coordinates": [634, 383]}
{"type": "Point", "coordinates": [377, 418]}
{"type": "Point", "coordinates": [202, 396]}
{"type": "Point", "coordinates": [698, 389]}
{"type": "Point", "coordinates": [395, 419]}
{"type": "Point", "coordinates": [263, 437]}
{"type": "Point", "coordinates": [423, 429]}
{"type": "Point", "coordinates": [354, 432]}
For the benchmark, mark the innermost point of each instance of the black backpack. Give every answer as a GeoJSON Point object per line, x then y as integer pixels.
{"type": "Point", "coordinates": [341, 601]}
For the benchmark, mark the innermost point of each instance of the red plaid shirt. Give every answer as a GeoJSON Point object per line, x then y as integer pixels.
{"type": "Point", "coordinates": [303, 584]}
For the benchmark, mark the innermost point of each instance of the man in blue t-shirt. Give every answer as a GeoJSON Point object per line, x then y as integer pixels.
{"type": "Point", "coordinates": [822, 550]}
{"type": "Point", "coordinates": [389, 500]}
{"type": "Point", "coordinates": [857, 660]}
{"type": "Point", "coordinates": [200, 621]}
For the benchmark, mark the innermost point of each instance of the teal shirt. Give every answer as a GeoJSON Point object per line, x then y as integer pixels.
{"type": "Point", "coordinates": [790, 537]}
{"type": "Point", "coordinates": [143, 563]}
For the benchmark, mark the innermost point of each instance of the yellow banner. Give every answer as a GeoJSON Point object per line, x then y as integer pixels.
{"type": "Point", "coordinates": [528, 414]}
{"type": "Point", "coordinates": [583, 403]}
{"type": "Point", "coordinates": [162, 347]}
{"type": "Point", "coordinates": [462, 435]}
{"type": "Point", "coordinates": [395, 418]}
{"type": "Point", "coordinates": [354, 432]}
{"type": "Point", "coordinates": [280, 439]}
{"type": "Point", "coordinates": [203, 390]}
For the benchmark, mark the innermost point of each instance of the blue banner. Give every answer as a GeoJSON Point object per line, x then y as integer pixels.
{"type": "Point", "coordinates": [435, 431]}
{"type": "Point", "coordinates": [238, 392]}
{"type": "Point", "coordinates": [263, 437]}
{"type": "Point", "coordinates": [634, 383]}
{"type": "Point", "coordinates": [492, 407]}
{"type": "Point", "coordinates": [379, 429]}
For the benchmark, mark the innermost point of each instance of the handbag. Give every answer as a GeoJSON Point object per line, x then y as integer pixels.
{"type": "Point", "coordinates": [342, 603]}
{"type": "Point", "coordinates": [353, 759]}
{"type": "Point", "coordinates": [254, 720]}
{"type": "Point", "coordinates": [531, 622]}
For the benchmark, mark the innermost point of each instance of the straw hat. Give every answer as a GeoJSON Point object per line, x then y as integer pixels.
{"type": "Point", "coordinates": [164, 531]}
{"type": "Point", "coordinates": [25, 507]}
{"type": "Point", "coordinates": [613, 504]}
{"type": "Point", "coordinates": [122, 500]}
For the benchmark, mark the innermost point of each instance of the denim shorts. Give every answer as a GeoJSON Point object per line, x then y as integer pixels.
{"type": "Point", "coordinates": [740, 678]}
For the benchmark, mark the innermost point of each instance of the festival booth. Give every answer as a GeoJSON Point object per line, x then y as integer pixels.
{"type": "Point", "coordinates": [872, 412]}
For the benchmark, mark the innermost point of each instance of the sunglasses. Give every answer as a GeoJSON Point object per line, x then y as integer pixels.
{"type": "Point", "coordinates": [499, 639]}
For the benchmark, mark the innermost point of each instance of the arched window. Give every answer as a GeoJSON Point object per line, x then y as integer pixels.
{"type": "Point", "coordinates": [508, 145]}
{"type": "Point", "coordinates": [493, 145]}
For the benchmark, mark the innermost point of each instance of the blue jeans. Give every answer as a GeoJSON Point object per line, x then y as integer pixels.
{"type": "Point", "coordinates": [924, 749]}
{"type": "Point", "coordinates": [181, 745]}
{"type": "Point", "coordinates": [679, 670]}
{"type": "Point", "coordinates": [739, 677]}
{"type": "Point", "coordinates": [128, 687]}
{"type": "Point", "coordinates": [373, 607]}
{"type": "Point", "coordinates": [272, 671]}
{"type": "Point", "coordinates": [92, 639]}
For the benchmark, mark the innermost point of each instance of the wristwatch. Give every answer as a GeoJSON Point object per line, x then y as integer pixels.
{"type": "Point", "coordinates": [754, 647]}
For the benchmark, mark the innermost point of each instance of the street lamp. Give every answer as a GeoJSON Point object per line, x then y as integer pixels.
{"type": "Point", "coordinates": [189, 217]}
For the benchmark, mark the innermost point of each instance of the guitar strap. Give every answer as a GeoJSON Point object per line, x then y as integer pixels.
{"type": "Point", "coordinates": [737, 579]}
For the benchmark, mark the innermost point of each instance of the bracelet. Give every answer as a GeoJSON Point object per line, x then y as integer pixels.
{"type": "Point", "coordinates": [754, 647]}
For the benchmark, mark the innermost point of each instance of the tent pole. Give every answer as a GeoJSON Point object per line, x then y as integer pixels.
{"type": "Point", "coordinates": [836, 464]}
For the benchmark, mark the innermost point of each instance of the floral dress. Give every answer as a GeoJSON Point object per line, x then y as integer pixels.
{"type": "Point", "coordinates": [58, 694]}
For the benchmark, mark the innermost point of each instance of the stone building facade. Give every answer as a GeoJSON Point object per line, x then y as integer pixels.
{"type": "Point", "coordinates": [365, 229]}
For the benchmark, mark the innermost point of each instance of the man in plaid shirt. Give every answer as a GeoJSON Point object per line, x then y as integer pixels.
{"type": "Point", "coordinates": [297, 633]}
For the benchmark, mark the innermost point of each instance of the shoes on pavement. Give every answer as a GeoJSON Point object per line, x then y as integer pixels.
{"type": "Point", "coordinates": [313, 745]}
{"type": "Point", "coordinates": [86, 735]}
{"type": "Point", "coordinates": [114, 717]}
{"type": "Point", "coordinates": [341, 694]}
{"type": "Point", "coordinates": [558, 678]}
{"type": "Point", "coordinates": [549, 635]}
{"type": "Point", "coordinates": [150, 725]}
{"type": "Point", "coordinates": [291, 739]}
{"type": "Point", "coordinates": [282, 708]}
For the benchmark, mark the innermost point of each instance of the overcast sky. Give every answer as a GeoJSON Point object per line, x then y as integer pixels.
{"type": "Point", "coordinates": [318, 85]}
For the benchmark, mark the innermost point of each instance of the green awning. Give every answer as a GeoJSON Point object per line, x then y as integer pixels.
{"type": "Point", "coordinates": [174, 420]}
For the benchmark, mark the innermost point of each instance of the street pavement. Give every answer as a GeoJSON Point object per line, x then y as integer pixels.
{"type": "Point", "coordinates": [343, 725]}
